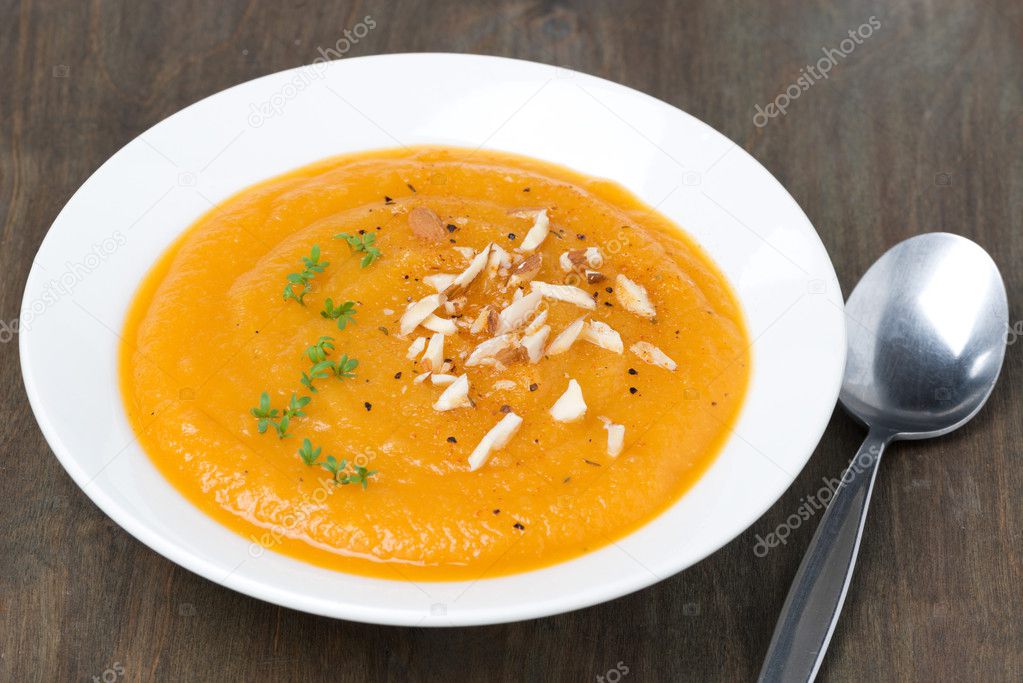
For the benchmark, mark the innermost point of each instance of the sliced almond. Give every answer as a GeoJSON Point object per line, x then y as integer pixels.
{"type": "Point", "coordinates": [440, 281]}
{"type": "Point", "coordinates": [420, 311]}
{"type": "Point", "coordinates": [577, 259]}
{"type": "Point", "coordinates": [433, 358]}
{"type": "Point", "coordinates": [525, 211]}
{"type": "Point", "coordinates": [494, 440]}
{"type": "Point", "coordinates": [465, 278]}
{"type": "Point", "coordinates": [563, 342]}
{"type": "Point", "coordinates": [600, 334]}
{"type": "Point", "coordinates": [633, 297]}
{"type": "Point", "coordinates": [486, 321]}
{"type": "Point", "coordinates": [498, 261]}
{"type": "Point", "coordinates": [426, 224]}
{"type": "Point", "coordinates": [455, 306]}
{"type": "Point", "coordinates": [537, 234]}
{"type": "Point", "coordinates": [416, 348]}
{"type": "Point", "coordinates": [525, 270]}
{"type": "Point", "coordinates": [488, 349]}
{"type": "Point", "coordinates": [442, 380]}
{"type": "Point", "coordinates": [566, 293]}
{"type": "Point", "coordinates": [653, 355]}
{"type": "Point", "coordinates": [533, 343]}
{"type": "Point", "coordinates": [456, 395]}
{"type": "Point", "coordinates": [517, 313]}
{"type": "Point", "coordinates": [466, 252]}
{"type": "Point", "coordinates": [615, 436]}
{"type": "Point", "coordinates": [538, 322]}
{"type": "Point", "coordinates": [421, 377]}
{"type": "Point", "coordinates": [512, 355]}
{"type": "Point", "coordinates": [571, 406]}
{"type": "Point", "coordinates": [442, 325]}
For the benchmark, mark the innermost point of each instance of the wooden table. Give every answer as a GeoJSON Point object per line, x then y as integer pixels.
{"type": "Point", "coordinates": [918, 128]}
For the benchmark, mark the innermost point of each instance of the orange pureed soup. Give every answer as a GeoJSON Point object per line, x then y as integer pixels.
{"type": "Point", "coordinates": [532, 363]}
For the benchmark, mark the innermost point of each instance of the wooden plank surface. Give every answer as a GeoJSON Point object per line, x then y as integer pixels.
{"type": "Point", "coordinates": [919, 128]}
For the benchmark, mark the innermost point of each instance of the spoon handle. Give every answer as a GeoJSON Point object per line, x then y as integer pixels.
{"type": "Point", "coordinates": [815, 599]}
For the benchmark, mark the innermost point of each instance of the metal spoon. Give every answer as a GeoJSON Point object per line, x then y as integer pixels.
{"type": "Point", "coordinates": [927, 335]}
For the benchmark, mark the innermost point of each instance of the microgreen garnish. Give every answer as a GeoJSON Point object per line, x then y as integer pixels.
{"type": "Point", "coordinates": [263, 413]}
{"type": "Point", "coordinates": [343, 314]}
{"type": "Point", "coordinates": [308, 454]}
{"type": "Point", "coordinates": [312, 266]}
{"type": "Point", "coordinates": [334, 467]}
{"type": "Point", "coordinates": [296, 405]}
{"type": "Point", "coordinates": [344, 367]}
{"type": "Point", "coordinates": [318, 371]}
{"type": "Point", "coordinates": [266, 416]}
{"type": "Point", "coordinates": [362, 243]}
{"type": "Point", "coordinates": [360, 475]}
{"type": "Point", "coordinates": [318, 351]}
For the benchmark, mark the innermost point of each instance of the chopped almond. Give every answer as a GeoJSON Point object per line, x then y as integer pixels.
{"type": "Point", "coordinates": [488, 349]}
{"type": "Point", "coordinates": [439, 281]}
{"type": "Point", "coordinates": [653, 355]}
{"type": "Point", "coordinates": [455, 306]}
{"type": "Point", "coordinates": [421, 377]}
{"type": "Point", "coordinates": [517, 313]}
{"type": "Point", "coordinates": [567, 337]}
{"type": "Point", "coordinates": [466, 252]}
{"type": "Point", "coordinates": [571, 406]}
{"type": "Point", "coordinates": [633, 297]}
{"type": "Point", "coordinates": [442, 380]}
{"type": "Point", "coordinates": [525, 270]}
{"type": "Point", "coordinates": [601, 334]}
{"type": "Point", "coordinates": [593, 277]}
{"type": "Point", "coordinates": [416, 348]}
{"type": "Point", "coordinates": [566, 293]}
{"type": "Point", "coordinates": [576, 259]}
{"type": "Point", "coordinates": [494, 440]}
{"type": "Point", "coordinates": [512, 355]}
{"type": "Point", "coordinates": [434, 356]}
{"type": "Point", "coordinates": [525, 211]}
{"type": "Point", "coordinates": [615, 436]}
{"type": "Point", "coordinates": [420, 311]}
{"type": "Point", "coordinates": [435, 324]}
{"type": "Point", "coordinates": [533, 343]}
{"type": "Point", "coordinates": [538, 322]}
{"type": "Point", "coordinates": [537, 234]}
{"type": "Point", "coordinates": [426, 224]}
{"type": "Point", "coordinates": [456, 395]}
{"type": "Point", "coordinates": [504, 385]}
{"type": "Point", "coordinates": [465, 278]}
{"type": "Point", "coordinates": [499, 260]}
{"type": "Point", "coordinates": [486, 321]}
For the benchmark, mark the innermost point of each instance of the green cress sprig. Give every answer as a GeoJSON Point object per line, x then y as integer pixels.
{"type": "Point", "coordinates": [337, 468]}
{"type": "Point", "coordinates": [362, 244]}
{"type": "Point", "coordinates": [323, 367]}
{"type": "Point", "coordinates": [343, 314]}
{"type": "Point", "coordinates": [312, 267]}
{"type": "Point", "coordinates": [266, 415]}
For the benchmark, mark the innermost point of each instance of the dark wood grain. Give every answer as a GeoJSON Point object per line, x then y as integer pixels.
{"type": "Point", "coordinates": [919, 129]}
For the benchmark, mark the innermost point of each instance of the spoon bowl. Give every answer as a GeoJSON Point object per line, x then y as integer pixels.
{"type": "Point", "coordinates": [927, 328]}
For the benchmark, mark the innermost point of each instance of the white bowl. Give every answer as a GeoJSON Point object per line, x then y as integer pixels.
{"type": "Point", "coordinates": [129, 211]}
